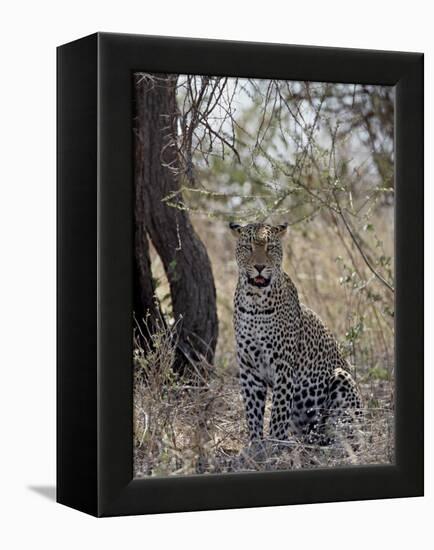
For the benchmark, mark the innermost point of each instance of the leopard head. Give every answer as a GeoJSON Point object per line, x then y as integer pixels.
{"type": "Point", "coordinates": [259, 251]}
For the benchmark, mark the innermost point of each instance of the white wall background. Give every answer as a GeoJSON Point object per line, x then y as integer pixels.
{"type": "Point", "coordinates": [29, 34]}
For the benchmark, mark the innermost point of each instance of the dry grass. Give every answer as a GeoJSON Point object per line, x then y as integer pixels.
{"type": "Point", "coordinates": [184, 429]}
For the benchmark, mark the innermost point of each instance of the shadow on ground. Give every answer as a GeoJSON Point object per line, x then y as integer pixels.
{"type": "Point", "coordinates": [47, 491]}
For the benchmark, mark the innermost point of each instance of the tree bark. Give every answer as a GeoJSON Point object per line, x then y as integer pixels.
{"type": "Point", "coordinates": [183, 254]}
{"type": "Point", "coordinates": [147, 311]}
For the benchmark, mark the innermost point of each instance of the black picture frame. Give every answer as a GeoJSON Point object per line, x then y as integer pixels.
{"type": "Point", "coordinates": [95, 282]}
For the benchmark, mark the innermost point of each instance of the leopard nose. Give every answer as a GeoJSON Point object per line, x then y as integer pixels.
{"type": "Point", "coordinates": [259, 267]}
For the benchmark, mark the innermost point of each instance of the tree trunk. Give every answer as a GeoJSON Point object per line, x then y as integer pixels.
{"type": "Point", "coordinates": [183, 255]}
{"type": "Point", "coordinates": [147, 311]}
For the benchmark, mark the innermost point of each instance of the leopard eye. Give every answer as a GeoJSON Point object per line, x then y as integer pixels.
{"type": "Point", "coordinates": [246, 247]}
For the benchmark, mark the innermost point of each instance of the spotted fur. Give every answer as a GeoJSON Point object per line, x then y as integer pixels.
{"type": "Point", "coordinates": [284, 346]}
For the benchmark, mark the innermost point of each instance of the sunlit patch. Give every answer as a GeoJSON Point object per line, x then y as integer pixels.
{"type": "Point", "coordinates": [262, 233]}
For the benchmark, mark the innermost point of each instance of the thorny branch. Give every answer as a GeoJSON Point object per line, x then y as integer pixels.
{"type": "Point", "coordinates": [296, 155]}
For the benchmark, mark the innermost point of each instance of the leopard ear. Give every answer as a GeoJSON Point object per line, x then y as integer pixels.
{"type": "Point", "coordinates": [235, 228]}
{"type": "Point", "coordinates": [281, 229]}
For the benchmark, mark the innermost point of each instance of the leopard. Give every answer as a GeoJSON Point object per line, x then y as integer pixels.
{"type": "Point", "coordinates": [284, 347]}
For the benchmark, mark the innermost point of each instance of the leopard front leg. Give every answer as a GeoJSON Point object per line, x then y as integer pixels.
{"type": "Point", "coordinates": [283, 391]}
{"type": "Point", "coordinates": [254, 393]}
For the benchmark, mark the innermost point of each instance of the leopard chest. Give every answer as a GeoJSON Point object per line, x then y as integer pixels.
{"type": "Point", "coordinates": [260, 338]}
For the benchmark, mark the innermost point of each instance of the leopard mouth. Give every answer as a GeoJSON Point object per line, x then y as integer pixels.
{"type": "Point", "coordinates": [259, 281]}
